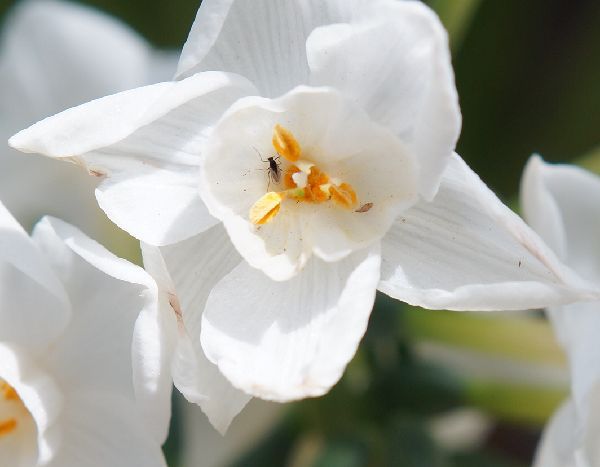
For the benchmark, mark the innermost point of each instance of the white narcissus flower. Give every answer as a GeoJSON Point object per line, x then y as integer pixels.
{"type": "Point", "coordinates": [275, 195]}
{"type": "Point", "coordinates": [54, 55]}
{"type": "Point", "coordinates": [562, 203]}
{"type": "Point", "coordinates": [68, 309]}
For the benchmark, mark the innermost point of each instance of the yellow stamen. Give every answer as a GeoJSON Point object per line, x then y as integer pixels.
{"type": "Point", "coordinates": [303, 181]}
{"type": "Point", "coordinates": [288, 180]}
{"type": "Point", "coordinates": [266, 208]}
{"type": "Point", "coordinates": [285, 144]}
{"type": "Point", "coordinates": [343, 195]}
{"type": "Point", "coordinates": [8, 426]}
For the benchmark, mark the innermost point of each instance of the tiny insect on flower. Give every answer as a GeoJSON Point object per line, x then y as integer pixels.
{"type": "Point", "coordinates": [274, 170]}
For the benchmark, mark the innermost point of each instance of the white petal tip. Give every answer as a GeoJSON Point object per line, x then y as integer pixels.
{"type": "Point", "coordinates": [15, 142]}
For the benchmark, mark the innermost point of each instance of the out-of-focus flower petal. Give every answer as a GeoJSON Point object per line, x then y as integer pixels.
{"type": "Point", "coordinates": [34, 307]}
{"type": "Point", "coordinates": [54, 55]}
{"type": "Point", "coordinates": [95, 353]}
{"type": "Point", "coordinates": [103, 429]}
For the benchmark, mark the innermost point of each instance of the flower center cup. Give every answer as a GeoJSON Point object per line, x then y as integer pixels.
{"type": "Point", "coordinates": [303, 182]}
{"type": "Point", "coordinates": [307, 173]}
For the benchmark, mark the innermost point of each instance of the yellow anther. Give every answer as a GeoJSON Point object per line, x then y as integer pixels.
{"type": "Point", "coordinates": [288, 177]}
{"type": "Point", "coordinates": [285, 144]}
{"type": "Point", "coordinates": [8, 392]}
{"type": "Point", "coordinates": [266, 208]}
{"type": "Point", "coordinates": [8, 426]}
{"type": "Point", "coordinates": [343, 195]}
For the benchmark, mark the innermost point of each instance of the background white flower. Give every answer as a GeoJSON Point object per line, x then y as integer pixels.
{"type": "Point", "coordinates": [562, 203]}
{"type": "Point", "coordinates": [67, 313]}
{"type": "Point", "coordinates": [54, 55]}
{"type": "Point", "coordinates": [366, 89]}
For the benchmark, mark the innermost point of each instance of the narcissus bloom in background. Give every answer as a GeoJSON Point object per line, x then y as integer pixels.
{"type": "Point", "coordinates": [67, 313]}
{"type": "Point", "coordinates": [276, 193]}
{"type": "Point", "coordinates": [562, 203]}
{"type": "Point", "coordinates": [54, 55]}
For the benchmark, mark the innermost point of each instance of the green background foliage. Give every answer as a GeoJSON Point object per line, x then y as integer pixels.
{"type": "Point", "coordinates": [528, 75]}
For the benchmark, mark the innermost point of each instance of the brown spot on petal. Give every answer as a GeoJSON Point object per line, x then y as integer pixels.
{"type": "Point", "coordinates": [175, 305]}
{"type": "Point", "coordinates": [365, 207]}
{"type": "Point", "coordinates": [97, 173]}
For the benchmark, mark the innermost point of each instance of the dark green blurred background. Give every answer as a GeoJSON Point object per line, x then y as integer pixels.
{"type": "Point", "coordinates": [528, 76]}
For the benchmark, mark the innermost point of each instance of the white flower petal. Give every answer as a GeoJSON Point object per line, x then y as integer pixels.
{"type": "Point", "coordinates": [263, 40]}
{"type": "Point", "coordinates": [152, 353]}
{"type": "Point", "coordinates": [577, 328]}
{"type": "Point", "coordinates": [395, 63]}
{"type": "Point", "coordinates": [159, 206]}
{"type": "Point", "coordinates": [34, 307]}
{"type": "Point", "coordinates": [102, 429]}
{"type": "Point", "coordinates": [95, 352]}
{"type": "Point", "coordinates": [186, 273]}
{"type": "Point", "coordinates": [293, 339]}
{"type": "Point", "coordinates": [123, 136]}
{"type": "Point", "coordinates": [562, 203]}
{"type": "Point", "coordinates": [201, 382]}
{"type": "Point", "coordinates": [559, 441]}
{"type": "Point", "coordinates": [103, 122]}
{"type": "Point", "coordinates": [41, 395]}
{"type": "Point", "coordinates": [571, 437]}
{"type": "Point", "coordinates": [466, 250]}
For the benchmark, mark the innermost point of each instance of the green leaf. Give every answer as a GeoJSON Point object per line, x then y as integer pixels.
{"type": "Point", "coordinates": [524, 404]}
{"type": "Point", "coordinates": [522, 338]}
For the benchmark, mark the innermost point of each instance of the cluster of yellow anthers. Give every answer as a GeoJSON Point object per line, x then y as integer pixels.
{"type": "Point", "coordinates": [303, 181]}
{"type": "Point", "coordinates": [8, 425]}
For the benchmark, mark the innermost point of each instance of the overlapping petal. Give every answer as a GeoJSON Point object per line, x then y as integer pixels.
{"type": "Point", "coordinates": [395, 63]}
{"type": "Point", "coordinates": [466, 250]}
{"type": "Point", "coordinates": [288, 340]}
{"type": "Point", "coordinates": [95, 351]}
{"type": "Point", "coordinates": [561, 202]}
{"type": "Point", "coordinates": [186, 272]}
{"type": "Point", "coordinates": [124, 136]}
{"type": "Point", "coordinates": [30, 292]}
{"type": "Point", "coordinates": [263, 40]}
